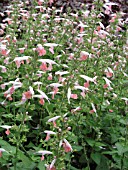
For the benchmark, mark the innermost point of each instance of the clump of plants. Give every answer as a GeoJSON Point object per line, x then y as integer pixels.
{"type": "Point", "coordinates": [63, 88]}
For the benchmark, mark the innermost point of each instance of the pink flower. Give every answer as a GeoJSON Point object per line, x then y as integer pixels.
{"type": "Point", "coordinates": [55, 90]}
{"type": "Point", "coordinates": [51, 49]}
{"type": "Point", "coordinates": [28, 95]}
{"type": "Point", "coordinates": [83, 55]}
{"type": "Point", "coordinates": [7, 129]}
{"type": "Point", "coordinates": [54, 120]}
{"type": "Point", "coordinates": [44, 152]}
{"type": "Point", "coordinates": [48, 132]}
{"type": "Point", "coordinates": [75, 110]}
{"type": "Point", "coordinates": [40, 2]}
{"type": "Point", "coordinates": [42, 101]}
{"type": "Point", "coordinates": [50, 76]}
{"type": "Point", "coordinates": [66, 145]}
{"type": "Point", "coordinates": [51, 1]}
{"type": "Point", "coordinates": [109, 74]}
{"type": "Point", "coordinates": [44, 67]}
{"type": "Point", "coordinates": [1, 151]}
{"type": "Point", "coordinates": [4, 51]}
{"type": "Point", "coordinates": [4, 70]}
{"type": "Point", "coordinates": [21, 50]}
{"type": "Point", "coordinates": [74, 96]}
{"type": "Point", "coordinates": [105, 86]}
{"type": "Point", "coordinates": [51, 166]}
{"type": "Point", "coordinates": [86, 85]}
{"type": "Point", "coordinates": [41, 50]}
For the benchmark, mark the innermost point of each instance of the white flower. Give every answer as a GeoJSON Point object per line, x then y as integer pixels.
{"type": "Point", "coordinates": [51, 165]}
{"type": "Point", "coordinates": [22, 58]}
{"type": "Point", "coordinates": [94, 109]}
{"type": "Point", "coordinates": [69, 94]}
{"type": "Point", "coordinates": [80, 88]}
{"type": "Point", "coordinates": [44, 152]}
{"type": "Point", "coordinates": [6, 126]}
{"type": "Point", "coordinates": [68, 145]}
{"type": "Point", "coordinates": [47, 61]}
{"type": "Point", "coordinates": [107, 81]}
{"type": "Point", "coordinates": [37, 83]}
{"type": "Point", "coordinates": [61, 73]}
{"type": "Point", "coordinates": [42, 95]}
{"type": "Point", "coordinates": [49, 132]}
{"type": "Point", "coordinates": [2, 150]}
{"type": "Point", "coordinates": [51, 45]}
{"type": "Point", "coordinates": [87, 78]}
{"type": "Point", "coordinates": [31, 90]}
{"type": "Point", "coordinates": [55, 85]}
{"type": "Point", "coordinates": [53, 118]}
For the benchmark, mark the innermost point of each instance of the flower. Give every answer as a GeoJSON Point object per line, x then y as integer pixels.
{"type": "Point", "coordinates": [49, 61]}
{"type": "Point", "coordinates": [4, 70]}
{"type": "Point", "coordinates": [44, 67]}
{"type": "Point", "coordinates": [87, 78]}
{"type": "Point", "coordinates": [108, 82]}
{"type": "Point", "coordinates": [93, 109]}
{"type": "Point", "coordinates": [76, 109]}
{"type": "Point", "coordinates": [40, 49]}
{"type": "Point", "coordinates": [83, 55]}
{"type": "Point", "coordinates": [125, 99]}
{"type": "Point", "coordinates": [48, 134]}
{"type": "Point", "coordinates": [66, 145]}
{"type": "Point", "coordinates": [53, 120]}
{"type": "Point", "coordinates": [109, 73]}
{"type": "Point", "coordinates": [51, 166]}
{"type": "Point", "coordinates": [74, 96]}
{"type": "Point", "coordinates": [20, 60]}
{"type": "Point", "coordinates": [7, 129]}
{"type": "Point", "coordinates": [41, 97]}
{"type": "Point", "coordinates": [55, 88]}
{"type": "Point", "coordinates": [2, 150]}
{"type": "Point", "coordinates": [44, 152]}
{"type": "Point", "coordinates": [69, 94]}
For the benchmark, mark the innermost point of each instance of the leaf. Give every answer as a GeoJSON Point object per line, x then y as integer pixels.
{"type": "Point", "coordinates": [96, 157]}
{"type": "Point", "coordinates": [25, 160]}
{"type": "Point", "coordinates": [41, 165]}
{"type": "Point", "coordinates": [91, 142]}
{"type": "Point", "coordinates": [121, 148]}
{"type": "Point", "coordinates": [73, 168]}
{"type": "Point", "coordinates": [7, 146]}
{"type": "Point", "coordinates": [103, 164]}
{"type": "Point", "coordinates": [77, 148]}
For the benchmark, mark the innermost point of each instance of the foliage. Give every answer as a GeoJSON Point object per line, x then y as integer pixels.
{"type": "Point", "coordinates": [63, 89]}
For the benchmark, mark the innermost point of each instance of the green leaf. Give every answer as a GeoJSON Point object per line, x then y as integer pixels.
{"type": "Point", "coordinates": [96, 157]}
{"type": "Point", "coordinates": [77, 148]}
{"type": "Point", "coordinates": [26, 161]}
{"type": "Point", "coordinates": [41, 165]}
{"type": "Point", "coordinates": [103, 164]}
{"type": "Point", "coordinates": [121, 148]}
{"type": "Point", "coordinates": [91, 142]}
{"type": "Point", "coordinates": [7, 146]}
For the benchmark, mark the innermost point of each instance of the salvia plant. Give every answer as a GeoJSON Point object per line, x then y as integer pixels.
{"type": "Point", "coordinates": [63, 88]}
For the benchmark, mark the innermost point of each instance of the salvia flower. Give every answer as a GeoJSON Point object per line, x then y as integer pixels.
{"type": "Point", "coordinates": [51, 166]}
{"type": "Point", "coordinates": [7, 129]}
{"type": "Point", "coordinates": [48, 132]}
{"type": "Point", "coordinates": [83, 55]}
{"type": "Point", "coordinates": [44, 152]}
{"type": "Point", "coordinates": [1, 151]}
{"type": "Point", "coordinates": [53, 119]}
{"type": "Point", "coordinates": [40, 49]}
{"type": "Point", "coordinates": [66, 145]}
